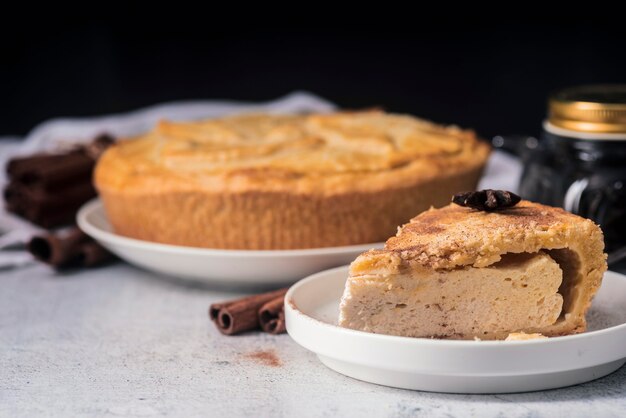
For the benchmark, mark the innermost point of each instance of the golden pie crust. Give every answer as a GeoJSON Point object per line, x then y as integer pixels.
{"type": "Point", "coordinates": [460, 239]}
{"type": "Point", "coordinates": [261, 181]}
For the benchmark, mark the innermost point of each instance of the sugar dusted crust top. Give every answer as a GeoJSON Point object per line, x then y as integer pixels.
{"type": "Point", "coordinates": [318, 153]}
{"type": "Point", "coordinates": [456, 236]}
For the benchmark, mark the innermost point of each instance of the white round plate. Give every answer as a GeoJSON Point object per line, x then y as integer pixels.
{"type": "Point", "coordinates": [455, 366]}
{"type": "Point", "coordinates": [222, 267]}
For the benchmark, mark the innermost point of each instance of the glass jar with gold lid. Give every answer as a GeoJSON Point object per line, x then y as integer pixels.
{"type": "Point", "coordinates": [580, 163]}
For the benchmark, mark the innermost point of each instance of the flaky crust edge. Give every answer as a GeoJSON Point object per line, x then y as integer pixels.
{"type": "Point", "coordinates": [276, 220]}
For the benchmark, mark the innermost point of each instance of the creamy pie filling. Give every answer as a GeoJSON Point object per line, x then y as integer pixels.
{"type": "Point", "coordinates": [522, 292]}
{"type": "Point", "coordinates": [569, 262]}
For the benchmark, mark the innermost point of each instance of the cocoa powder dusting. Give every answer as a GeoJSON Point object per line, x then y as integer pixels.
{"type": "Point", "coordinates": [265, 357]}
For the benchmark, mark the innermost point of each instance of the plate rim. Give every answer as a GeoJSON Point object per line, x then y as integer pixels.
{"type": "Point", "coordinates": [87, 209]}
{"type": "Point", "coordinates": [294, 310]}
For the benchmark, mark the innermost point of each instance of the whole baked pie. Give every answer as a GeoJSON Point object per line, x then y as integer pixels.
{"type": "Point", "coordinates": [264, 181]}
{"type": "Point", "coordinates": [462, 273]}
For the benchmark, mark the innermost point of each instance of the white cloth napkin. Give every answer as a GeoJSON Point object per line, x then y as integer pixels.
{"type": "Point", "coordinates": [502, 171]}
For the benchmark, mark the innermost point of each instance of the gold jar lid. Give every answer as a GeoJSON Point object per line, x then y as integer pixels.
{"type": "Point", "coordinates": [592, 108]}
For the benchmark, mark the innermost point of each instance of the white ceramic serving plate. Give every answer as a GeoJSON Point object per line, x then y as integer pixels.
{"type": "Point", "coordinates": [222, 267]}
{"type": "Point", "coordinates": [312, 307]}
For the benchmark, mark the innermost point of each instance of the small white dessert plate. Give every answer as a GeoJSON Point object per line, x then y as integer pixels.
{"type": "Point", "coordinates": [454, 366]}
{"type": "Point", "coordinates": [214, 266]}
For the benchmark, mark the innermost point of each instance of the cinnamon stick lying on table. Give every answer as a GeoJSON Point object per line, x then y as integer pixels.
{"type": "Point", "coordinates": [72, 248]}
{"type": "Point", "coordinates": [272, 316]}
{"type": "Point", "coordinates": [240, 315]}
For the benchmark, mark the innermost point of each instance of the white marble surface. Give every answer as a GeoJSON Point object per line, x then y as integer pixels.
{"type": "Point", "coordinates": [117, 341]}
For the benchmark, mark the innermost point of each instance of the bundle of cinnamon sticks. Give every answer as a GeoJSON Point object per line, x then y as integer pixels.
{"type": "Point", "coordinates": [48, 189]}
{"type": "Point", "coordinates": [265, 312]}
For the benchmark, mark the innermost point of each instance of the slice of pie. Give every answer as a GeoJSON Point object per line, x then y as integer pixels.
{"type": "Point", "coordinates": [462, 273]}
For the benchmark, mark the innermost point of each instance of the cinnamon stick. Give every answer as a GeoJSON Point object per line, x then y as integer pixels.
{"type": "Point", "coordinates": [45, 208]}
{"type": "Point", "coordinates": [17, 166]}
{"type": "Point", "coordinates": [71, 248]}
{"type": "Point", "coordinates": [272, 316]}
{"type": "Point", "coordinates": [67, 196]}
{"type": "Point", "coordinates": [240, 315]}
{"type": "Point", "coordinates": [53, 171]}
{"type": "Point", "coordinates": [58, 250]}
{"type": "Point", "coordinates": [47, 219]}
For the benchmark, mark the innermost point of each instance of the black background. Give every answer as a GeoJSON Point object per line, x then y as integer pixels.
{"type": "Point", "coordinates": [491, 77]}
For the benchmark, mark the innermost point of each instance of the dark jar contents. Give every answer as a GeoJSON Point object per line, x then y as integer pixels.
{"type": "Point", "coordinates": [580, 161]}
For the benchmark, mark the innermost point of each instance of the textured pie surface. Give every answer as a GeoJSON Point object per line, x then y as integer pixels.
{"type": "Point", "coordinates": [321, 153]}
{"type": "Point", "coordinates": [262, 181]}
{"type": "Point", "coordinates": [525, 257]}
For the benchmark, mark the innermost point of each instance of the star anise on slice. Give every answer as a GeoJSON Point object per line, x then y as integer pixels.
{"type": "Point", "coordinates": [487, 200]}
